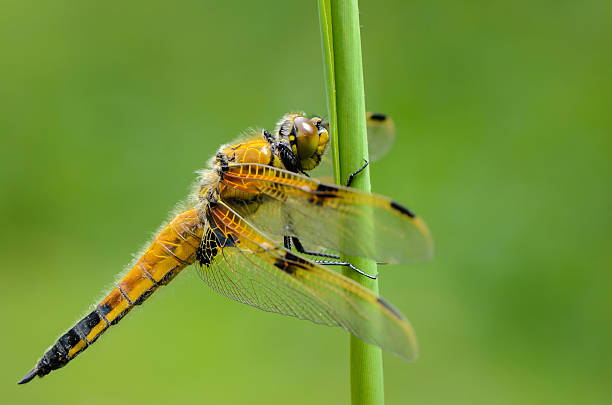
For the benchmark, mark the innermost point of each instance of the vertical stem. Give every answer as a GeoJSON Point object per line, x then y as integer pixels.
{"type": "Point", "coordinates": [341, 40]}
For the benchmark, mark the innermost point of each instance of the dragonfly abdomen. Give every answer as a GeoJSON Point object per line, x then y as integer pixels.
{"type": "Point", "coordinates": [171, 251]}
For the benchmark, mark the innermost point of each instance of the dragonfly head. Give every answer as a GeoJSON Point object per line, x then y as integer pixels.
{"type": "Point", "coordinates": [308, 138]}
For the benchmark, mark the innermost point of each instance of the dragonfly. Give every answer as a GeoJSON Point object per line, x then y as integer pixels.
{"type": "Point", "coordinates": [260, 231]}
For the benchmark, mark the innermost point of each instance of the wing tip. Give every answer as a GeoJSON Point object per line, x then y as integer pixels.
{"type": "Point", "coordinates": [412, 357]}
{"type": "Point", "coordinates": [421, 226]}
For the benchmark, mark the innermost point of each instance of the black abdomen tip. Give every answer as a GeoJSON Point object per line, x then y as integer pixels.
{"type": "Point", "coordinates": [29, 377]}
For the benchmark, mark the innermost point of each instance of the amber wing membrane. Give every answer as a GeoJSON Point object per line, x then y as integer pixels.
{"type": "Point", "coordinates": [329, 216]}
{"type": "Point", "coordinates": [171, 251]}
{"type": "Point", "coordinates": [242, 264]}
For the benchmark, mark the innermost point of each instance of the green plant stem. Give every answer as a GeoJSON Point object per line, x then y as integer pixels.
{"type": "Point", "coordinates": [341, 41]}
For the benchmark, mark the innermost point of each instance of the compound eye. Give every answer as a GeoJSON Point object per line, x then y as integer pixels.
{"type": "Point", "coordinates": [307, 137]}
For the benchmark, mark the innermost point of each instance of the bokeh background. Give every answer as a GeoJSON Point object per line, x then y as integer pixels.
{"type": "Point", "coordinates": [503, 146]}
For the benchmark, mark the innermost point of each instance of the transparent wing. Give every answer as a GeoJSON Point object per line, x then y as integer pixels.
{"type": "Point", "coordinates": [329, 216]}
{"type": "Point", "coordinates": [242, 264]}
{"type": "Point", "coordinates": [381, 136]}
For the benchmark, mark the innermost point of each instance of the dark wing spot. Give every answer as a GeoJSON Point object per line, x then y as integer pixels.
{"type": "Point", "coordinates": [402, 209]}
{"type": "Point", "coordinates": [324, 192]}
{"type": "Point", "coordinates": [294, 258]}
{"type": "Point", "coordinates": [385, 304]}
{"type": "Point", "coordinates": [378, 117]}
{"type": "Point", "coordinates": [322, 187]}
{"type": "Point", "coordinates": [290, 263]}
{"type": "Point", "coordinates": [282, 264]}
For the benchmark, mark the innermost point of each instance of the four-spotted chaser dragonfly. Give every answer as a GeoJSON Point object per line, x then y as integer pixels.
{"type": "Point", "coordinates": [253, 225]}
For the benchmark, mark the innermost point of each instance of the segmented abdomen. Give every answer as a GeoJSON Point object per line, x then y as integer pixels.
{"type": "Point", "coordinates": [171, 251]}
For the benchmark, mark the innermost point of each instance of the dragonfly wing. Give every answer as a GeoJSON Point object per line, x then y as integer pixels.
{"type": "Point", "coordinates": [239, 262]}
{"type": "Point", "coordinates": [381, 135]}
{"type": "Point", "coordinates": [330, 216]}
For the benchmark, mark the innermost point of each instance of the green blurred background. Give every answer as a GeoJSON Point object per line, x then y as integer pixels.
{"type": "Point", "coordinates": [504, 141]}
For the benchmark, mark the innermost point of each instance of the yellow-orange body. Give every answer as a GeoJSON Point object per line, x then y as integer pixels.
{"type": "Point", "coordinates": [171, 251]}
{"type": "Point", "coordinates": [240, 178]}
{"type": "Point", "coordinates": [250, 151]}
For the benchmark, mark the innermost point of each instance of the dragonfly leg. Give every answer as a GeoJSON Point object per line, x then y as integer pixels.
{"type": "Point", "coordinates": [287, 242]}
{"type": "Point", "coordinates": [363, 273]}
{"type": "Point", "coordinates": [300, 248]}
{"type": "Point", "coordinates": [355, 173]}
